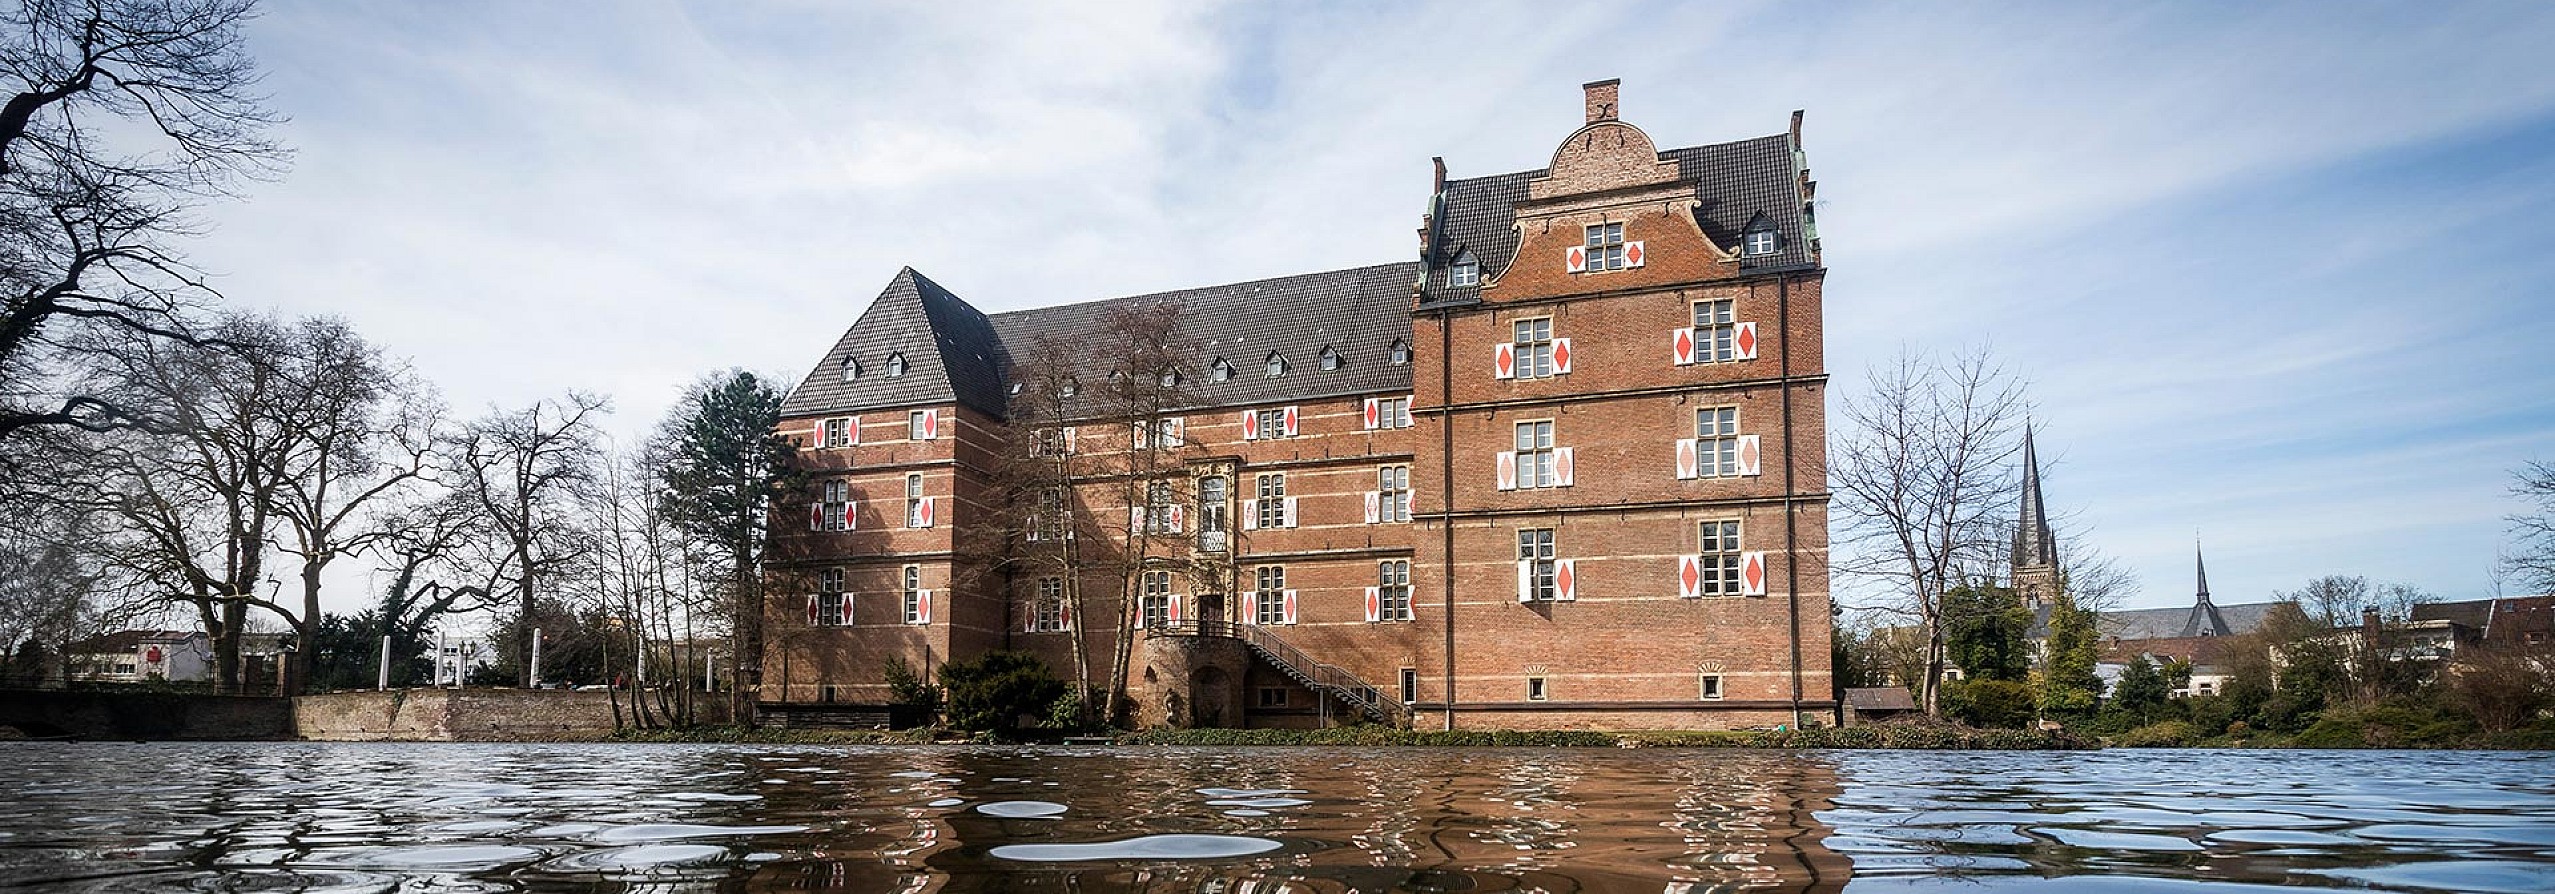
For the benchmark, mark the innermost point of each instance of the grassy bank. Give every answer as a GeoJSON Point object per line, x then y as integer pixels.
{"type": "Point", "coordinates": [2380, 727]}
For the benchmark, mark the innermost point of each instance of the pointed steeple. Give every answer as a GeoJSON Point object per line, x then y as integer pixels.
{"type": "Point", "coordinates": [2034, 545]}
{"type": "Point", "coordinates": [2203, 564]}
{"type": "Point", "coordinates": [2204, 620]}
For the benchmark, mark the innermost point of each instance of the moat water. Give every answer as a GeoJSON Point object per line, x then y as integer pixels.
{"type": "Point", "coordinates": [389, 817]}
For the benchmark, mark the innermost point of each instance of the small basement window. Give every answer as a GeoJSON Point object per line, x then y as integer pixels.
{"type": "Point", "coordinates": [1272, 697]}
{"type": "Point", "coordinates": [1711, 687]}
{"type": "Point", "coordinates": [1535, 689]}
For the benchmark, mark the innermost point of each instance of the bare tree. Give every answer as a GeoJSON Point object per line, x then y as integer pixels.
{"type": "Point", "coordinates": [720, 465]}
{"type": "Point", "coordinates": [2530, 558]}
{"type": "Point", "coordinates": [524, 469]}
{"type": "Point", "coordinates": [1923, 470]}
{"type": "Point", "coordinates": [119, 112]}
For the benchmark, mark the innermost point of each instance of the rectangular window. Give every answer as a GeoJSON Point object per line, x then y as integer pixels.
{"type": "Point", "coordinates": [1393, 494]}
{"type": "Point", "coordinates": [1410, 685]}
{"type": "Point", "coordinates": [1393, 590]}
{"type": "Point", "coordinates": [1535, 549]}
{"type": "Point", "coordinates": [1760, 243]}
{"type": "Point", "coordinates": [829, 608]}
{"type": "Point", "coordinates": [1272, 697]}
{"type": "Point", "coordinates": [914, 500]}
{"type": "Point", "coordinates": [1711, 687]}
{"type": "Point", "coordinates": [1047, 521]}
{"type": "Point", "coordinates": [913, 594]}
{"type": "Point", "coordinates": [1158, 504]}
{"type": "Point", "coordinates": [837, 433]}
{"type": "Point", "coordinates": [1051, 604]}
{"type": "Point", "coordinates": [1156, 598]}
{"type": "Point", "coordinates": [1211, 523]}
{"type": "Point", "coordinates": [1716, 442]}
{"type": "Point", "coordinates": [1534, 348]}
{"type": "Point", "coordinates": [838, 496]}
{"type": "Point", "coordinates": [829, 580]}
{"type": "Point", "coordinates": [1268, 599]}
{"type": "Point", "coordinates": [1719, 559]}
{"type": "Point", "coordinates": [914, 424]}
{"type": "Point", "coordinates": [1272, 501]}
{"type": "Point", "coordinates": [1464, 274]}
{"type": "Point", "coordinates": [1272, 423]}
{"type": "Point", "coordinates": [1535, 691]}
{"type": "Point", "coordinates": [1715, 335]}
{"type": "Point", "coordinates": [1392, 412]}
{"type": "Point", "coordinates": [1535, 455]}
{"type": "Point", "coordinates": [1605, 246]}
{"type": "Point", "coordinates": [1047, 442]}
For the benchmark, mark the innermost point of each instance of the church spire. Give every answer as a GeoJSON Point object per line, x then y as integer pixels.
{"type": "Point", "coordinates": [2034, 546]}
{"type": "Point", "coordinates": [2203, 564]}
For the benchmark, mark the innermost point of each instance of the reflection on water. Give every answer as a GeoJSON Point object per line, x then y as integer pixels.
{"type": "Point", "coordinates": [382, 817]}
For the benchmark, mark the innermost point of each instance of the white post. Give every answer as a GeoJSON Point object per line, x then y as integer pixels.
{"type": "Point", "coordinates": [383, 685]}
{"type": "Point", "coordinates": [536, 658]}
{"type": "Point", "coordinates": [442, 656]}
{"type": "Point", "coordinates": [709, 671]}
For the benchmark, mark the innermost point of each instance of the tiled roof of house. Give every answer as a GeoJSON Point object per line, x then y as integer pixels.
{"type": "Point", "coordinates": [955, 353]}
{"type": "Point", "coordinates": [1735, 184]}
{"type": "Point", "coordinates": [123, 641]}
{"type": "Point", "coordinates": [2172, 623]}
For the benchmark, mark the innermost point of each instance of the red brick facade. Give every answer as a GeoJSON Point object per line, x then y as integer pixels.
{"type": "Point", "coordinates": [1629, 643]}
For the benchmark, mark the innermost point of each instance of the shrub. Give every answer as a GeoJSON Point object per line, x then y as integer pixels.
{"type": "Point", "coordinates": [1992, 703]}
{"type": "Point", "coordinates": [990, 692]}
{"type": "Point", "coordinates": [2168, 734]}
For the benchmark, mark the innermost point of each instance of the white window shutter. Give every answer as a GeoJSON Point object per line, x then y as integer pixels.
{"type": "Point", "coordinates": [1565, 463]}
{"type": "Point", "coordinates": [1290, 512]}
{"type": "Point", "coordinates": [852, 430]}
{"type": "Point", "coordinates": [1250, 425]}
{"type": "Point", "coordinates": [1744, 341]}
{"type": "Point", "coordinates": [1685, 459]}
{"type": "Point", "coordinates": [816, 517]}
{"type": "Point", "coordinates": [1750, 456]}
{"type": "Point", "coordinates": [924, 600]}
{"type": "Point", "coordinates": [1525, 580]}
{"type": "Point", "coordinates": [1286, 606]}
{"type": "Point", "coordinates": [1072, 439]}
{"type": "Point", "coordinates": [1374, 604]}
{"type": "Point", "coordinates": [1374, 413]}
{"type": "Point", "coordinates": [1407, 400]}
{"type": "Point", "coordinates": [1290, 422]}
{"type": "Point", "coordinates": [1508, 470]}
{"type": "Point", "coordinates": [1575, 259]}
{"type": "Point", "coordinates": [1752, 574]}
{"type": "Point", "coordinates": [1632, 252]}
{"type": "Point", "coordinates": [1689, 577]}
{"type": "Point", "coordinates": [1681, 346]}
{"type": "Point", "coordinates": [1566, 580]}
{"type": "Point", "coordinates": [1561, 355]}
{"type": "Point", "coordinates": [1179, 431]}
{"type": "Point", "coordinates": [1135, 519]}
{"type": "Point", "coordinates": [929, 507]}
{"type": "Point", "coordinates": [1250, 515]}
{"type": "Point", "coordinates": [931, 425]}
{"type": "Point", "coordinates": [1137, 428]}
{"type": "Point", "coordinates": [1503, 360]}
{"type": "Point", "coordinates": [1406, 504]}
{"type": "Point", "coordinates": [1374, 507]}
{"type": "Point", "coordinates": [1179, 518]}
{"type": "Point", "coordinates": [812, 619]}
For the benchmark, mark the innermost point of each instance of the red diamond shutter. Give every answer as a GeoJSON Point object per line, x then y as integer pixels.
{"type": "Point", "coordinates": [1745, 341]}
{"type": "Point", "coordinates": [1374, 604]}
{"type": "Point", "coordinates": [1137, 430]}
{"type": "Point", "coordinates": [1575, 258]}
{"type": "Point", "coordinates": [1508, 470]}
{"type": "Point", "coordinates": [1749, 455]}
{"type": "Point", "coordinates": [928, 507]}
{"type": "Point", "coordinates": [1681, 346]}
{"type": "Point", "coordinates": [931, 424]}
{"type": "Point", "coordinates": [1135, 519]}
{"type": "Point", "coordinates": [1689, 577]}
{"type": "Point", "coordinates": [1286, 607]}
{"type": "Point", "coordinates": [1561, 355]}
{"type": "Point", "coordinates": [1179, 432]}
{"type": "Point", "coordinates": [1250, 425]}
{"type": "Point", "coordinates": [1752, 574]}
{"type": "Point", "coordinates": [846, 610]}
{"type": "Point", "coordinates": [1632, 254]}
{"type": "Point", "coordinates": [1179, 518]}
{"type": "Point", "coordinates": [1372, 413]}
{"type": "Point", "coordinates": [1566, 580]}
{"type": "Point", "coordinates": [852, 430]}
{"type": "Point", "coordinates": [1503, 360]}
{"type": "Point", "coordinates": [925, 597]}
{"type": "Point", "coordinates": [1374, 507]}
{"type": "Point", "coordinates": [1064, 612]}
{"type": "Point", "coordinates": [850, 515]}
{"type": "Point", "coordinates": [1685, 458]}
{"type": "Point", "coordinates": [811, 610]}
{"type": "Point", "coordinates": [1564, 465]}
{"type": "Point", "coordinates": [1029, 618]}
{"type": "Point", "coordinates": [816, 517]}
{"type": "Point", "coordinates": [1290, 422]}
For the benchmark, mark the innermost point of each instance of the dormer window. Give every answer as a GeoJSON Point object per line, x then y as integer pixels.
{"type": "Point", "coordinates": [851, 369]}
{"type": "Point", "coordinates": [1400, 354]}
{"type": "Point", "coordinates": [1761, 242]}
{"type": "Point", "coordinates": [1220, 371]}
{"type": "Point", "coordinates": [895, 365]}
{"type": "Point", "coordinates": [1465, 273]}
{"type": "Point", "coordinates": [1069, 388]}
{"type": "Point", "coordinates": [1331, 359]}
{"type": "Point", "coordinates": [1170, 378]}
{"type": "Point", "coordinates": [1276, 364]}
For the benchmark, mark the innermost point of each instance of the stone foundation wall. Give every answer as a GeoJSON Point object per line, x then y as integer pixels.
{"type": "Point", "coordinates": [437, 715]}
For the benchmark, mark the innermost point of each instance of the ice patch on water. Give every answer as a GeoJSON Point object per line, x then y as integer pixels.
{"type": "Point", "coordinates": [1258, 802]}
{"type": "Point", "coordinates": [1021, 809]}
{"type": "Point", "coordinates": [1149, 847]}
{"type": "Point", "coordinates": [947, 802]}
{"type": "Point", "coordinates": [1249, 792]}
{"type": "Point", "coordinates": [680, 831]}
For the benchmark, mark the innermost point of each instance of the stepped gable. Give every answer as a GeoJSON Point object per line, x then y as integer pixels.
{"type": "Point", "coordinates": [950, 352]}
{"type": "Point", "coordinates": [1734, 183]}
{"type": "Point", "coordinates": [1358, 312]}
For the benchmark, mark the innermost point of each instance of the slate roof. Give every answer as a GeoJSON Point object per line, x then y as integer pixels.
{"type": "Point", "coordinates": [123, 641]}
{"type": "Point", "coordinates": [1734, 182]}
{"type": "Point", "coordinates": [1880, 698]}
{"type": "Point", "coordinates": [2171, 623]}
{"type": "Point", "coordinates": [960, 354]}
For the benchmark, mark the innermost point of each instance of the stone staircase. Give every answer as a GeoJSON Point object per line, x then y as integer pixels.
{"type": "Point", "coordinates": [1322, 678]}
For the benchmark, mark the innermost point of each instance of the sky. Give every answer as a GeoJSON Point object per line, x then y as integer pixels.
{"type": "Point", "coordinates": [2279, 276]}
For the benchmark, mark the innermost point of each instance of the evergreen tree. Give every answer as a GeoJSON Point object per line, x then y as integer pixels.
{"type": "Point", "coordinates": [2068, 685]}
{"type": "Point", "coordinates": [2142, 691]}
{"type": "Point", "coordinates": [722, 465]}
{"type": "Point", "coordinates": [1985, 632]}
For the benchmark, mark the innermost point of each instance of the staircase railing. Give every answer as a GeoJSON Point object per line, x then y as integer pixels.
{"type": "Point", "coordinates": [1330, 679]}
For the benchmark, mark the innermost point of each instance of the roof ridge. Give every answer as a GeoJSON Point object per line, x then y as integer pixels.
{"type": "Point", "coordinates": [1663, 153]}
{"type": "Point", "coordinates": [1222, 285]}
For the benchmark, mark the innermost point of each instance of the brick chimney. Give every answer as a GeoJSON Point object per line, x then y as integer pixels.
{"type": "Point", "coordinates": [1601, 99]}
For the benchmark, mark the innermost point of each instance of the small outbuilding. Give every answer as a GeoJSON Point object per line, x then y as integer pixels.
{"type": "Point", "coordinates": [1877, 704]}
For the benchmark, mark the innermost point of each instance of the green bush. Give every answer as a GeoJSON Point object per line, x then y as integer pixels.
{"type": "Point", "coordinates": [1370, 735]}
{"type": "Point", "coordinates": [2167, 734]}
{"type": "Point", "coordinates": [2005, 704]}
{"type": "Point", "coordinates": [990, 692]}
